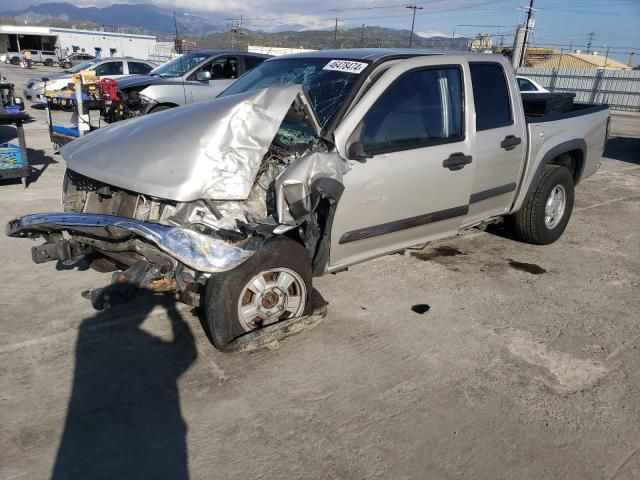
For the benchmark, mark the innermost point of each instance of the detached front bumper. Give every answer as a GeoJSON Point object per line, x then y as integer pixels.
{"type": "Point", "coordinates": [203, 253]}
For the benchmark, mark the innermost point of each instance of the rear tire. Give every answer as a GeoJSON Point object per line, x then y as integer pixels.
{"type": "Point", "coordinates": [546, 211]}
{"type": "Point", "coordinates": [228, 295]}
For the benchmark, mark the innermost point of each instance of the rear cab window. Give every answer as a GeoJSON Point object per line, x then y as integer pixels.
{"type": "Point", "coordinates": [490, 95]}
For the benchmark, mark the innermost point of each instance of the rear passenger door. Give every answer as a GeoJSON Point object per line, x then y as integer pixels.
{"type": "Point", "coordinates": [499, 141]}
{"type": "Point", "coordinates": [415, 184]}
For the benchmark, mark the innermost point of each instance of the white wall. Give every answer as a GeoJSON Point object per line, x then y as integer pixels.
{"type": "Point", "coordinates": [126, 45]}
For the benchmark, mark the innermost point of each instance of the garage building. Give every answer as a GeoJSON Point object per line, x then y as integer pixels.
{"type": "Point", "coordinates": [64, 41]}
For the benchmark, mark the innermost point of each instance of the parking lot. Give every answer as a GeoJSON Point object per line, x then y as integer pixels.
{"type": "Point", "coordinates": [524, 364]}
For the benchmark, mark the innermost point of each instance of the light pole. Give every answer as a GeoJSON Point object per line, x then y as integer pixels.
{"type": "Point", "coordinates": [413, 21]}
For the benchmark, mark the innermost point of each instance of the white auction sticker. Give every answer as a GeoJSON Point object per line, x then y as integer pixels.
{"type": "Point", "coordinates": [346, 66]}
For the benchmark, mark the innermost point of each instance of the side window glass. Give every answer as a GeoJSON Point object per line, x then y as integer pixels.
{"type": "Point", "coordinates": [526, 86]}
{"type": "Point", "coordinates": [109, 68]}
{"type": "Point", "coordinates": [420, 108]}
{"type": "Point", "coordinates": [490, 96]}
{"type": "Point", "coordinates": [224, 68]}
{"type": "Point", "coordinates": [253, 62]}
{"type": "Point", "coordinates": [139, 68]}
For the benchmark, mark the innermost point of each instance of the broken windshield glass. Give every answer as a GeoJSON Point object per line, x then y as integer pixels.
{"type": "Point", "coordinates": [327, 89]}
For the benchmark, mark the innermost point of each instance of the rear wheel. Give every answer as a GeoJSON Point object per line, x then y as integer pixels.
{"type": "Point", "coordinates": [271, 286]}
{"type": "Point", "coordinates": [546, 211]}
{"type": "Point", "coordinates": [66, 65]}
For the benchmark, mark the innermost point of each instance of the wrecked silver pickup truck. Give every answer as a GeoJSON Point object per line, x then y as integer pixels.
{"type": "Point", "coordinates": [306, 165]}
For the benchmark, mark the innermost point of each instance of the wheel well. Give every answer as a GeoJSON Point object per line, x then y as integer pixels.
{"type": "Point", "coordinates": [573, 160]}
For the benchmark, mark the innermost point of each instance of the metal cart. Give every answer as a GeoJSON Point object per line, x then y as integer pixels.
{"type": "Point", "coordinates": [24, 170]}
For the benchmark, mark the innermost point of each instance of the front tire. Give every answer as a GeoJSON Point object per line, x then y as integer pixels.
{"type": "Point", "coordinates": [48, 62]}
{"type": "Point", "coordinates": [273, 285]}
{"type": "Point", "coordinates": [546, 211]}
{"type": "Point", "coordinates": [14, 61]}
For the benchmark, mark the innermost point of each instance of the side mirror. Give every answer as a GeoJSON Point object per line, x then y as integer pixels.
{"type": "Point", "coordinates": [355, 151]}
{"type": "Point", "coordinates": [203, 75]}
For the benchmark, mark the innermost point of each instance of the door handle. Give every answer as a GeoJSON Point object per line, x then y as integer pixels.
{"type": "Point", "coordinates": [457, 161]}
{"type": "Point", "coordinates": [510, 142]}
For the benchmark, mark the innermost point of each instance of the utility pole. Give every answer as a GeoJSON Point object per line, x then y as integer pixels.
{"type": "Point", "coordinates": [590, 36]}
{"type": "Point", "coordinates": [335, 35]}
{"type": "Point", "coordinates": [523, 53]}
{"type": "Point", "coordinates": [234, 26]}
{"type": "Point", "coordinates": [178, 44]}
{"type": "Point", "coordinates": [413, 21]}
{"type": "Point", "coordinates": [630, 61]}
{"type": "Point", "coordinates": [362, 37]}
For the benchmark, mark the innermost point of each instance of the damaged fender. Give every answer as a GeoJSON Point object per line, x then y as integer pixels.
{"type": "Point", "coordinates": [301, 185]}
{"type": "Point", "coordinates": [201, 252]}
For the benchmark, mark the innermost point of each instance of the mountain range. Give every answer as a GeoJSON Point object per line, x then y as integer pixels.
{"type": "Point", "coordinates": [211, 32]}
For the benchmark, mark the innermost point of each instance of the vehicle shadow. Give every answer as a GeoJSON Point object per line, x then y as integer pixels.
{"type": "Point", "coordinates": [124, 418]}
{"type": "Point", "coordinates": [624, 149]}
{"type": "Point", "coordinates": [39, 162]}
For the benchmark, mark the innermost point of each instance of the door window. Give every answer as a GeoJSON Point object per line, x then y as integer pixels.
{"type": "Point", "coordinates": [421, 108]}
{"type": "Point", "coordinates": [490, 96]}
{"type": "Point", "coordinates": [252, 62]}
{"type": "Point", "coordinates": [109, 68]}
{"type": "Point", "coordinates": [224, 68]}
{"type": "Point", "coordinates": [526, 86]}
{"type": "Point", "coordinates": [139, 68]}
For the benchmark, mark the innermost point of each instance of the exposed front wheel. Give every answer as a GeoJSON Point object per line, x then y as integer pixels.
{"type": "Point", "coordinates": [546, 212]}
{"type": "Point", "coordinates": [271, 286]}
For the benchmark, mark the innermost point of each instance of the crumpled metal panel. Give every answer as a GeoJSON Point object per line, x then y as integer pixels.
{"type": "Point", "coordinates": [294, 184]}
{"type": "Point", "coordinates": [207, 150]}
{"type": "Point", "coordinates": [203, 253]}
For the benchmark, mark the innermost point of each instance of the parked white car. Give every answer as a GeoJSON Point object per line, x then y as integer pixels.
{"type": "Point", "coordinates": [106, 68]}
{"type": "Point", "coordinates": [526, 85]}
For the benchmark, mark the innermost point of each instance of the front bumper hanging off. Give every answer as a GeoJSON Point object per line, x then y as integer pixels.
{"type": "Point", "coordinates": [203, 253]}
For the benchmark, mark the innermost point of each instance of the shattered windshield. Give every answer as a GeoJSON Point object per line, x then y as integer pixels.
{"type": "Point", "coordinates": [326, 85]}
{"type": "Point", "coordinates": [179, 66]}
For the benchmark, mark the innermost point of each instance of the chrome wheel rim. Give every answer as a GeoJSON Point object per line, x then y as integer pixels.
{"type": "Point", "coordinates": [271, 296]}
{"type": "Point", "coordinates": [555, 206]}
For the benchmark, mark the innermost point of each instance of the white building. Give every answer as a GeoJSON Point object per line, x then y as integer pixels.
{"type": "Point", "coordinates": [276, 51]}
{"type": "Point", "coordinates": [64, 41]}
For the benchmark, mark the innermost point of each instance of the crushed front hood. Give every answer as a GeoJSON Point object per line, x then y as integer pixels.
{"type": "Point", "coordinates": [208, 150]}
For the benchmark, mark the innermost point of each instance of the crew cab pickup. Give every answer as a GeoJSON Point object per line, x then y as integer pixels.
{"type": "Point", "coordinates": [308, 164]}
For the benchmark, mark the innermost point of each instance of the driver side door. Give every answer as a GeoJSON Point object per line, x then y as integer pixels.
{"type": "Point", "coordinates": [223, 72]}
{"type": "Point", "coordinates": [412, 179]}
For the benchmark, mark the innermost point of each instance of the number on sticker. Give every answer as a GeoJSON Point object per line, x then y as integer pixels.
{"type": "Point", "coordinates": [345, 66]}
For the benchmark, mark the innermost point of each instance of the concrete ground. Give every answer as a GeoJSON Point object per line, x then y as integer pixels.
{"type": "Point", "coordinates": [526, 365]}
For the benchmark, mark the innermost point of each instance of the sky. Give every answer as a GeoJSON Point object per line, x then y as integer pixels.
{"type": "Point", "coordinates": [559, 23]}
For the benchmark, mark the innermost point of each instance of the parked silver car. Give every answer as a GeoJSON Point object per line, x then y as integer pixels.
{"type": "Point", "coordinates": [309, 164]}
{"type": "Point", "coordinates": [106, 68]}
{"type": "Point", "coordinates": [75, 59]}
{"type": "Point", "coordinates": [190, 78]}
